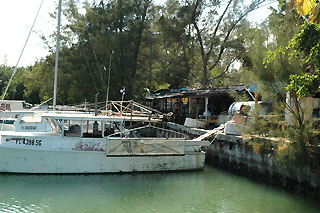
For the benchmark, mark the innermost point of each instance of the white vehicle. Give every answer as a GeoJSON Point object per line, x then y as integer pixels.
{"type": "Point", "coordinates": [84, 143]}
{"type": "Point", "coordinates": [242, 114]}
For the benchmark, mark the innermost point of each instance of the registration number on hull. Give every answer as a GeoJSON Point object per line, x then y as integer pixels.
{"type": "Point", "coordinates": [28, 142]}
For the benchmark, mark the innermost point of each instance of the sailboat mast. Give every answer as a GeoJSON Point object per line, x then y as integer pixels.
{"type": "Point", "coordinates": [57, 56]}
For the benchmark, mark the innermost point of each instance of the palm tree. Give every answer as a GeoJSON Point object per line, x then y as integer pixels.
{"type": "Point", "coordinates": [310, 8]}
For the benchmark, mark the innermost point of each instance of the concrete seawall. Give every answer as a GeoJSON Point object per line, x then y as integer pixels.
{"type": "Point", "coordinates": [232, 153]}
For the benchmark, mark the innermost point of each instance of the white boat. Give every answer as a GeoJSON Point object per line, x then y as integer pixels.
{"type": "Point", "coordinates": [27, 119]}
{"type": "Point", "coordinates": [9, 111]}
{"type": "Point", "coordinates": [58, 143]}
{"type": "Point", "coordinates": [84, 143]}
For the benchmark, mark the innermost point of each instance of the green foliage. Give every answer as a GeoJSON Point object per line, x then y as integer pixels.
{"type": "Point", "coordinates": [299, 149]}
{"type": "Point", "coordinates": [108, 30]}
{"type": "Point", "coordinates": [304, 85]}
{"type": "Point", "coordinates": [177, 64]}
{"type": "Point", "coordinates": [266, 62]}
{"type": "Point", "coordinates": [296, 150]}
{"type": "Point", "coordinates": [272, 55]}
{"type": "Point", "coordinates": [261, 145]}
{"type": "Point", "coordinates": [16, 91]}
{"type": "Point", "coordinates": [161, 86]}
{"type": "Point", "coordinates": [293, 147]}
{"type": "Point", "coordinates": [304, 46]}
{"type": "Point", "coordinates": [307, 43]}
{"type": "Point", "coordinates": [277, 61]}
{"type": "Point", "coordinates": [201, 38]}
{"type": "Point", "coordinates": [5, 73]}
{"type": "Point", "coordinates": [179, 59]}
{"type": "Point", "coordinates": [307, 38]}
{"type": "Point", "coordinates": [240, 96]}
{"type": "Point", "coordinates": [269, 126]}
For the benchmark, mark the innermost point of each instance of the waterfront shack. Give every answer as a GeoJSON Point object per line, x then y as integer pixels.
{"type": "Point", "coordinates": [196, 108]}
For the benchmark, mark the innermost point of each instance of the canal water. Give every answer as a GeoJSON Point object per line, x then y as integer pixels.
{"type": "Point", "coordinates": [210, 190]}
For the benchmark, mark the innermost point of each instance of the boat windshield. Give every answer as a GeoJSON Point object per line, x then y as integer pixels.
{"type": "Point", "coordinates": [31, 119]}
{"type": "Point", "coordinates": [54, 125]}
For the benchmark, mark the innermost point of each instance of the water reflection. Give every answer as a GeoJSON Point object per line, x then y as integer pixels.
{"type": "Point", "coordinates": [208, 191]}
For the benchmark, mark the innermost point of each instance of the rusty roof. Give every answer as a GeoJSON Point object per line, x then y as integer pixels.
{"type": "Point", "coordinates": [199, 92]}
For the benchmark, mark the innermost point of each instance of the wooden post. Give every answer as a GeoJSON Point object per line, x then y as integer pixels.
{"type": "Point", "coordinates": [96, 105]}
{"type": "Point", "coordinates": [131, 102]}
{"type": "Point", "coordinates": [255, 106]}
{"type": "Point", "coordinates": [190, 106]}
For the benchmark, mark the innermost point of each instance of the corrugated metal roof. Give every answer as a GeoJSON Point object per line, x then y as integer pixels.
{"type": "Point", "coordinates": [199, 92]}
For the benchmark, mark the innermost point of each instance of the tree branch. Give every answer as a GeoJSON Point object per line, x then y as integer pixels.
{"type": "Point", "coordinates": [217, 27]}
{"type": "Point", "coordinates": [226, 38]}
{"type": "Point", "coordinates": [226, 69]}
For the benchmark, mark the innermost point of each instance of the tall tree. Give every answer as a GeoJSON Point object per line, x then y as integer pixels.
{"type": "Point", "coordinates": [215, 25]}
{"type": "Point", "coordinates": [108, 30]}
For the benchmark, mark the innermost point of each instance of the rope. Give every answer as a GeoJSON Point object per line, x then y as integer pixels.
{"type": "Point", "coordinates": [95, 56]}
{"type": "Point", "coordinates": [91, 75]}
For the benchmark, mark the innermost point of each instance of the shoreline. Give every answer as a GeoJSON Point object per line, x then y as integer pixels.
{"type": "Point", "coordinates": [230, 153]}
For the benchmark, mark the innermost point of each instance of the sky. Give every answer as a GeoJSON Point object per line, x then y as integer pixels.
{"type": "Point", "coordinates": [16, 18]}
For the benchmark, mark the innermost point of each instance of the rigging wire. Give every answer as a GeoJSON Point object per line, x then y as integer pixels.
{"type": "Point", "coordinates": [15, 68]}
{"type": "Point", "coordinates": [25, 44]}
{"type": "Point", "coordinates": [91, 75]}
{"type": "Point", "coordinates": [95, 56]}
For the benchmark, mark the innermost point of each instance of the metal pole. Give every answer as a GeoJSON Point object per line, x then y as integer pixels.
{"type": "Point", "coordinates": [206, 109]}
{"type": "Point", "coordinates": [150, 60]}
{"type": "Point", "coordinates": [57, 56]}
{"type": "Point", "coordinates": [108, 81]}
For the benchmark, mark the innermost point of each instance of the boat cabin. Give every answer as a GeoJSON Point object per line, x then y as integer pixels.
{"type": "Point", "coordinates": [90, 126]}
{"type": "Point", "coordinates": [14, 105]}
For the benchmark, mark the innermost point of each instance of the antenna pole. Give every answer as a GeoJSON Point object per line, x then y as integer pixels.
{"type": "Point", "coordinates": [108, 81]}
{"type": "Point", "coordinates": [57, 57]}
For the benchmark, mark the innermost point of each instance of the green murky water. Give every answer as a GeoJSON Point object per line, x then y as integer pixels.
{"type": "Point", "coordinates": [210, 190]}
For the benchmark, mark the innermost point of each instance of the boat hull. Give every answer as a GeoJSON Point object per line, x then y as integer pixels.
{"type": "Point", "coordinates": [14, 160]}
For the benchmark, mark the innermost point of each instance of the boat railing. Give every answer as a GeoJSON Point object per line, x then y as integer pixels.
{"type": "Point", "coordinates": [165, 133]}
{"type": "Point", "coordinates": [140, 147]}
{"type": "Point", "coordinates": [132, 108]}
